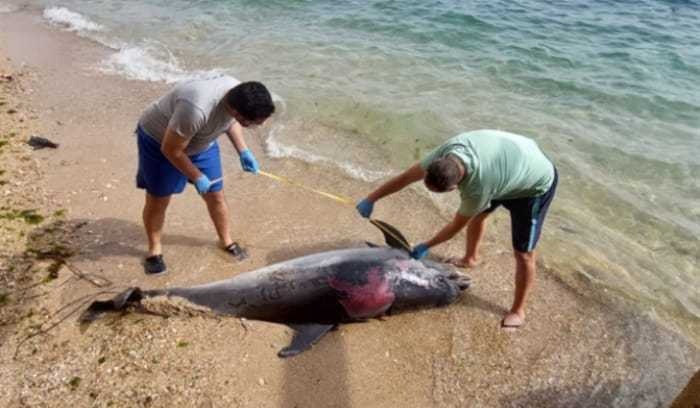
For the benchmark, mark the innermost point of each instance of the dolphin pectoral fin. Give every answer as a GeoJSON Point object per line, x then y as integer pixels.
{"type": "Point", "coordinates": [305, 336]}
{"type": "Point", "coordinates": [371, 244]}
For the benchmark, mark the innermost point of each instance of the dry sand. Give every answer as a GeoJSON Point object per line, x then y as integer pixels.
{"type": "Point", "coordinates": [579, 347]}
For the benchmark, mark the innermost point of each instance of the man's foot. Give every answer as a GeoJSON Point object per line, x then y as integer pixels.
{"type": "Point", "coordinates": [236, 251]}
{"type": "Point", "coordinates": [154, 265]}
{"type": "Point", "coordinates": [512, 321]}
{"type": "Point", "coordinates": [463, 262]}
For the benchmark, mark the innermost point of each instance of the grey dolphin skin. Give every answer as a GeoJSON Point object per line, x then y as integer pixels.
{"type": "Point", "coordinates": [315, 293]}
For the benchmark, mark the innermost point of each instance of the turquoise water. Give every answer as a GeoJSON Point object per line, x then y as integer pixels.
{"type": "Point", "coordinates": [608, 88]}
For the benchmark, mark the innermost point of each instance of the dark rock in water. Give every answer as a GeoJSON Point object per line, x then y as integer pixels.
{"type": "Point", "coordinates": [690, 396]}
{"type": "Point", "coordinates": [38, 142]}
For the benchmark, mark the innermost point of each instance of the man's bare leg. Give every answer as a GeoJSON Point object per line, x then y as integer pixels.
{"type": "Point", "coordinates": [475, 233]}
{"type": "Point", "coordinates": [524, 280]}
{"type": "Point", "coordinates": [218, 211]}
{"type": "Point", "coordinates": [153, 219]}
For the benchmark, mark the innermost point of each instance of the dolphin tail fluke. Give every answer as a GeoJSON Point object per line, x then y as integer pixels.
{"type": "Point", "coordinates": [305, 336]}
{"type": "Point", "coordinates": [119, 302]}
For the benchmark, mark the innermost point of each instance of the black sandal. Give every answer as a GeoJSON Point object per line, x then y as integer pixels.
{"type": "Point", "coordinates": [154, 265]}
{"type": "Point", "coordinates": [237, 251]}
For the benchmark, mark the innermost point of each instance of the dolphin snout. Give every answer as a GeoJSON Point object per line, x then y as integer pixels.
{"type": "Point", "coordinates": [462, 281]}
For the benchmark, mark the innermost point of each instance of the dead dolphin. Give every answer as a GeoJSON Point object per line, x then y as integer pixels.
{"type": "Point", "coordinates": [315, 293]}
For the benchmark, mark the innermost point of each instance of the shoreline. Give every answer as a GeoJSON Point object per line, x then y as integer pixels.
{"type": "Point", "coordinates": [575, 347]}
{"type": "Point", "coordinates": [611, 239]}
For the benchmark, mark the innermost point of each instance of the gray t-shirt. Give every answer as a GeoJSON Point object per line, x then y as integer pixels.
{"type": "Point", "coordinates": [194, 109]}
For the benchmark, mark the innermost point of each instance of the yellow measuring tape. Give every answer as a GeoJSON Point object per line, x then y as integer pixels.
{"type": "Point", "coordinates": [341, 199]}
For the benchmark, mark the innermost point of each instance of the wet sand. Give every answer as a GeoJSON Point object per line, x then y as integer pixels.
{"type": "Point", "coordinates": [580, 346]}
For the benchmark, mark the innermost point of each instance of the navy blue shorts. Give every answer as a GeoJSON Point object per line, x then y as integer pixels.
{"type": "Point", "coordinates": [160, 178]}
{"type": "Point", "coordinates": [527, 216]}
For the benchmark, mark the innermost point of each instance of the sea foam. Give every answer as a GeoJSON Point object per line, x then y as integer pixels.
{"type": "Point", "coordinates": [7, 8]}
{"type": "Point", "coordinates": [275, 148]}
{"type": "Point", "coordinates": [149, 63]}
{"type": "Point", "coordinates": [71, 20]}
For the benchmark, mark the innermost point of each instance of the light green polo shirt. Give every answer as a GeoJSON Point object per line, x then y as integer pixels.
{"type": "Point", "coordinates": [499, 166]}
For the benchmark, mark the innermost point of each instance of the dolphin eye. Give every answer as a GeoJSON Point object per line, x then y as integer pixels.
{"type": "Point", "coordinates": [440, 280]}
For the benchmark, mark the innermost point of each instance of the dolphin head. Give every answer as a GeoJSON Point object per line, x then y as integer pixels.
{"type": "Point", "coordinates": [416, 283]}
{"type": "Point", "coordinates": [422, 284]}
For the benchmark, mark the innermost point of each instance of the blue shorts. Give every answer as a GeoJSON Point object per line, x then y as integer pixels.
{"type": "Point", "coordinates": [527, 216]}
{"type": "Point", "coordinates": [160, 178]}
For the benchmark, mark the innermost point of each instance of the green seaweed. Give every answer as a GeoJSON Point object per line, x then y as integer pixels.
{"type": "Point", "coordinates": [54, 251]}
{"type": "Point", "coordinates": [54, 268]}
{"type": "Point", "coordinates": [74, 383]}
{"type": "Point", "coordinates": [48, 278]}
{"type": "Point", "coordinates": [29, 216]}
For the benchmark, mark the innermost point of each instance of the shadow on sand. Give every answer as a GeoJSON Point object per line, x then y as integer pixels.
{"type": "Point", "coordinates": [471, 300]}
{"type": "Point", "coordinates": [609, 394]}
{"type": "Point", "coordinates": [317, 378]}
{"type": "Point", "coordinates": [107, 237]}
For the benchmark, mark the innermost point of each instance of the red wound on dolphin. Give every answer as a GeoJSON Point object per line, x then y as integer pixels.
{"type": "Point", "coordinates": [362, 301]}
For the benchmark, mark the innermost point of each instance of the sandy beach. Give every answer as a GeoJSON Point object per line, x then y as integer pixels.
{"type": "Point", "coordinates": [580, 347]}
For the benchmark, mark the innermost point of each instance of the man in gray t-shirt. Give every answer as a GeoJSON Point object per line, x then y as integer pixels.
{"type": "Point", "coordinates": [176, 137]}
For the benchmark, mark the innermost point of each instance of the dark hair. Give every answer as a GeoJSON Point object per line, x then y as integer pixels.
{"type": "Point", "coordinates": [442, 174]}
{"type": "Point", "coordinates": [251, 99]}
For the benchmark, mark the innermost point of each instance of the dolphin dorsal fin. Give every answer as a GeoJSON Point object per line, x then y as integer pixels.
{"type": "Point", "coordinates": [392, 236]}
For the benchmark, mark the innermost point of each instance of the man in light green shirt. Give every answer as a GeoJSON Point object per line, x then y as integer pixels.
{"type": "Point", "coordinates": [490, 168]}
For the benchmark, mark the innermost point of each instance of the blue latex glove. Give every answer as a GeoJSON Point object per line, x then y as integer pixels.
{"type": "Point", "coordinates": [365, 208]}
{"type": "Point", "coordinates": [248, 162]}
{"type": "Point", "coordinates": [419, 251]}
{"type": "Point", "coordinates": [202, 184]}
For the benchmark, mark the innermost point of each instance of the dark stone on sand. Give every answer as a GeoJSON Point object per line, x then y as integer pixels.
{"type": "Point", "coordinates": [38, 142]}
{"type": "Point", "coordinates": [690, 396]}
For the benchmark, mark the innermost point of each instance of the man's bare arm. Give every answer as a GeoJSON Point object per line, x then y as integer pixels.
{"type": "Point", "coordinates": [449, 230]}
{"type": "Point", "coordinates": [411, 175]}
{"type": "Point", "coordinates": [173, 148]}
{"type": "Point", "coordinates": [235, 135]}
